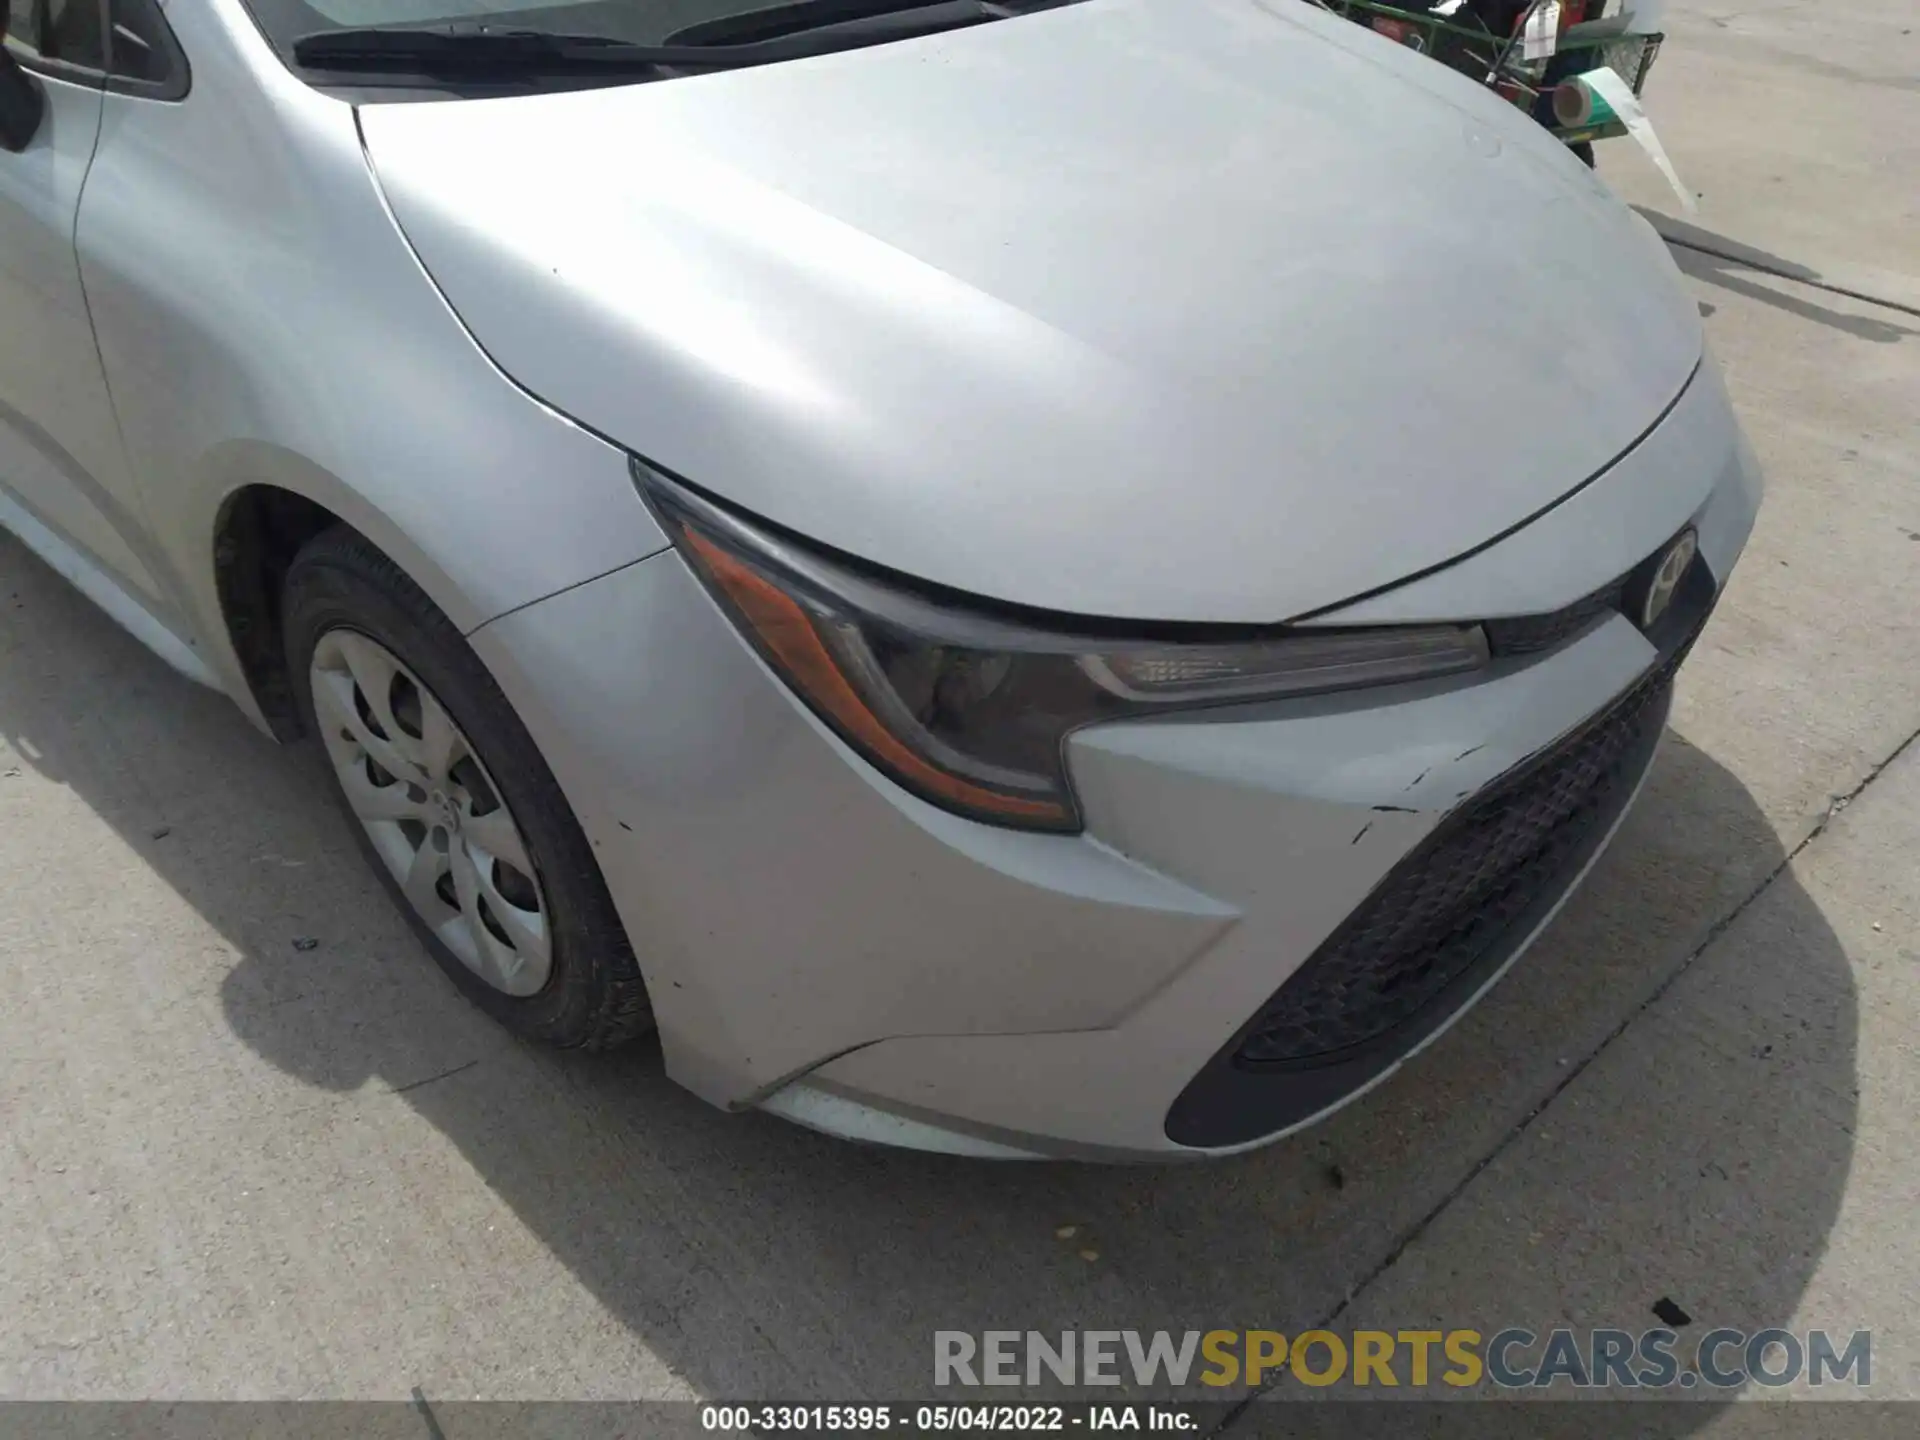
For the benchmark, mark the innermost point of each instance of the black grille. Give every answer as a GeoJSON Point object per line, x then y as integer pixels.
{"type": "Point", "coordinates": [1526, 634]}
{"type": "Point", "coordinates": [1450, 902]}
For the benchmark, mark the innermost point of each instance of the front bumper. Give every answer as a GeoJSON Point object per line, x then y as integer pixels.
{"type": "Point", "coordinates": [819, 943]}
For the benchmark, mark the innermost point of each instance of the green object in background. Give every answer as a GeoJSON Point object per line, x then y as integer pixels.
{"type": "Point", "coordinates": [1578, 105]}
{"type": "Point", "coordinates": [1602, 97]}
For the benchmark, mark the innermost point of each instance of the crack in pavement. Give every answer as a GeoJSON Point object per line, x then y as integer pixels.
{"type": "Point", "coordinates": [1575, 1070]}
{"type": "Point", "coordinates": [428, 1080]}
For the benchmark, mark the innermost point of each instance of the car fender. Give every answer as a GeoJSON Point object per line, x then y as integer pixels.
{"type": "Point", "coordinates": [262, 320]}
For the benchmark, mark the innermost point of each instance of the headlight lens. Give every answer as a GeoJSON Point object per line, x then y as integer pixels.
{"type": "Point", "coordinates": [971, 710]}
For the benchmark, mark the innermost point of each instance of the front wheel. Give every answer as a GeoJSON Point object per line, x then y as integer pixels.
{"type": "Point", "coordinates": [452, 802]}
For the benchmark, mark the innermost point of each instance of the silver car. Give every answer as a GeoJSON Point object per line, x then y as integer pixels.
{"type": "Point", "coordinates": [1073, 577]}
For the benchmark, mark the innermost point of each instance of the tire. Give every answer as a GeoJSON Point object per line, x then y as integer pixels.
{"type": "Point", "coordinates": [340, 592]}
{"type": "Point", "coordinates": [1583, 151]}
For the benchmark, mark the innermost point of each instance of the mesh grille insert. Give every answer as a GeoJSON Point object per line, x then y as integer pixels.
{"type": "Point", "coordinates": [1445, 905]}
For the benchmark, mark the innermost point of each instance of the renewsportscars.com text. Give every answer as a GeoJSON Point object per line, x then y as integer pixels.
{"type": "Point", "coordinates": [1513, 1358]}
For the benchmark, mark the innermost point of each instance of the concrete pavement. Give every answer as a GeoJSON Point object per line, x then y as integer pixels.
{"type": "Point", "coordinates": [1793, 121]}
{"type": "Point", "coordinates": [233, 1166]}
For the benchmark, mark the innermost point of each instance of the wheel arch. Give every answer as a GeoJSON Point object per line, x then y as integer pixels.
{"type": "Point", "coordinates": [265, 502]}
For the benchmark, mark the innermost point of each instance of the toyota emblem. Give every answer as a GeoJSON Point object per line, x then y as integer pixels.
{"type": "Point", "coordinates": [1666, 578]}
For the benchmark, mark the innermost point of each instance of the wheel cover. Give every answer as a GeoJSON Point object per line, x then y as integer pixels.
{"type": "Point", "coordinates": [432, 811]}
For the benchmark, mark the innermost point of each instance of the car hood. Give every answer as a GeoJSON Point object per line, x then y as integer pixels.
{"type": "Point", "coordinates": [1200, 310]}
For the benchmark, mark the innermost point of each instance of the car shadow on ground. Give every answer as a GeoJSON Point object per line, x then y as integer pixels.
{"type": "Point", "coordinates": [1732, 266]}
{"type": "Point", "coordinates": [758, 1260]}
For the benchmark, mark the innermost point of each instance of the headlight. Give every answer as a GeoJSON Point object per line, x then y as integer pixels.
{"type": "Point", "coordinates": [969, 706]}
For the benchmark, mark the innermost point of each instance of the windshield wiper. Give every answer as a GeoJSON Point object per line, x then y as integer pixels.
{"type": "Point", "coordinates": [873, 19]}
{"type": "Point", "coordinates": [467, 49]}
{"type": "Point", "coordinates": [443, 49]}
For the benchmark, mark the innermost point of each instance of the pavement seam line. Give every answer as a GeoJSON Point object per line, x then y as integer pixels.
{"type": "Point", "coordinates": [1811, 280]}
{"type": "Point", "coordinates": [1576, 1069]}
{"type": "Point", "coordinates": [429, 1079]}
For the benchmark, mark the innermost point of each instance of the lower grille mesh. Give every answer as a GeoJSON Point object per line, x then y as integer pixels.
{"type": "Point", "coordinates": [1444, 906]}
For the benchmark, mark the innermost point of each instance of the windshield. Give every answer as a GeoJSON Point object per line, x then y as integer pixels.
{"type": "Point", "coordinates": [486, 46]}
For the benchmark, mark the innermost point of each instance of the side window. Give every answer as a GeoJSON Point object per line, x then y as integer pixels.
{"type": "Point", "coordinates": [145, 58]}
{"type": "Point", "coordinates": [65, 35]}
